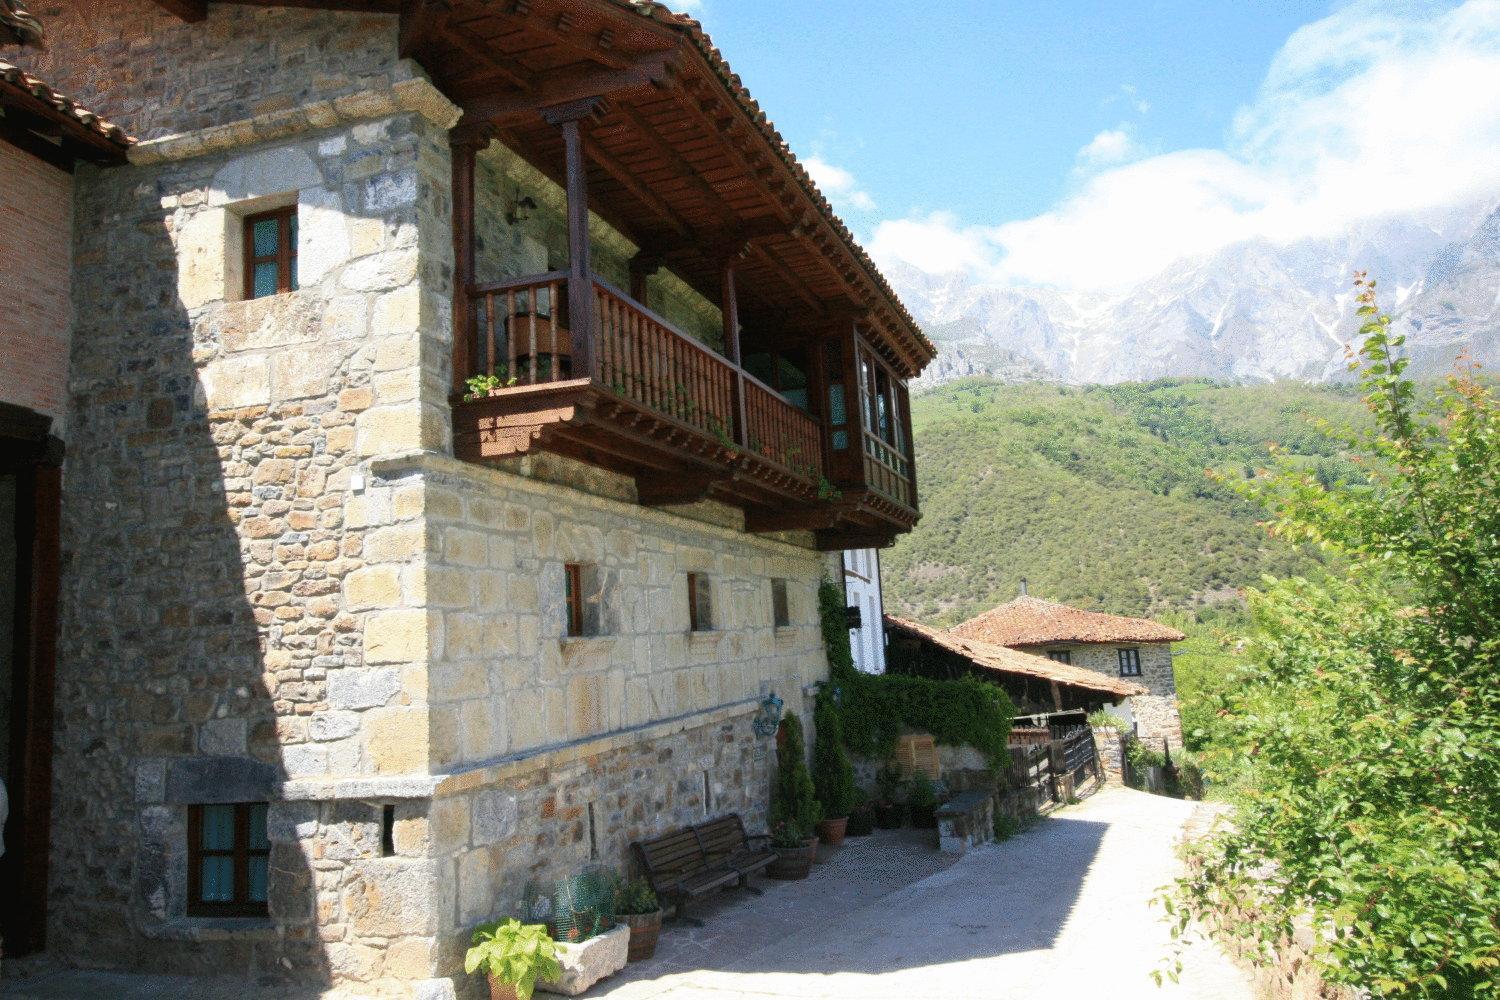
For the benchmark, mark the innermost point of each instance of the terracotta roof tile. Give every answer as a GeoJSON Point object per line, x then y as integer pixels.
{"type": "Point", "coordinates": [694, 30]}
{"type": "Point", "coordinates": [17, 83]}
{"type": "Point", "coordinates": [17, 25]}
{"type": "Point", "coordinates": [1031, 621]}
{"type": "Point", "coordinates": [1010, 661]}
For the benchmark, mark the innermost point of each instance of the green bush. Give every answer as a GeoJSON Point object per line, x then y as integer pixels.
{"type": "Point", "coordinates": [921, 798]}
{"type": "Point", "coordinates": [833, 775]}
{"type": "Point", "coordinates": [1102, 719]}
{"type": "Point", "coordinates": [794, 805]}
{"type": "Point", "coordinates": [515, 953]}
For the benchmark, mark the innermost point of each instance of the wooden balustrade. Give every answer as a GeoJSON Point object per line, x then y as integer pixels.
{"type": "Point", "coordinates": [779, 431]}
{"type": "Point", "coordinates": [521, 334]}
{"type": "Point", "coordinates": [888, 471]}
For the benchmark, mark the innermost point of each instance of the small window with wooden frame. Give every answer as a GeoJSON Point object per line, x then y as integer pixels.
{"type": "Point", "coordinates": [700, 603]}
{"type": "Point", "coordinates": [1060, 655]}
{"type": "Point", "coordinates": [583, 600]}
{"type": "Point", "coordinates": [228, 860]}
{"type": "Point", "coordinates": [781, 610]}
{"type": "Point", "coordinates": [271, 252]}
{"type": "Point", "coordinates": [1130, 662]}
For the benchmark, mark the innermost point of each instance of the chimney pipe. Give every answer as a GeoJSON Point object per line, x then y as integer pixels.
{"type": "Point", "coordinates": [1023, 586]}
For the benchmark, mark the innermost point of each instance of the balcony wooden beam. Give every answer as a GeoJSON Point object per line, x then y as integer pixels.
{"type": "Point", "coordinates": [669, 490]}
{"type": "Point", "coordinates": [564, 86]}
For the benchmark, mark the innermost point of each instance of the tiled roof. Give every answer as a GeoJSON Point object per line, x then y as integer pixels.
{"type": "Point", "coordinates": [694, 31]}
{"type": "Point", "coordinates": [1031, 621]}
{"type": "Point", "coordinates": [1009, 661]}
{"type": "Point", "coordinates": [17, 25]}
{"type": "Point", "coordinates": [17, 84]}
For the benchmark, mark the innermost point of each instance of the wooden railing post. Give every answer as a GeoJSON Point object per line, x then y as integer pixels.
{"type": "Point", "coordinates": [731, 312]}
{"type": "Point", "coordinates": [582, 322]}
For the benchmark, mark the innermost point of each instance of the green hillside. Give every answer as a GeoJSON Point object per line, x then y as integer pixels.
{"type": "Point", "coordinates": [1098, 496]}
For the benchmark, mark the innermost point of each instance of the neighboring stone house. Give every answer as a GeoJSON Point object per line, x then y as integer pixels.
{"type": "Point", "coordinates": [463, 407]}
{"type": "Point", "coordinates": [1136, 650]}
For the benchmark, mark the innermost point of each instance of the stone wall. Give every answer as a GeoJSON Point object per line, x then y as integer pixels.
{"type": "Point", "coordinates": [210, 645]}
{"type": "Point", "coordinates": [36, 223]}
{"type": "Point", "coordinates": [1155, 713]}
{"type": "Point", "coordinates": [154, 75]}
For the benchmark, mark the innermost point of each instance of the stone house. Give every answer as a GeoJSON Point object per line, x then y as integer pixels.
{"type": "Point", "coordinates": [463, 403]}
{"type": "Point", "coordinates": [1136, 650]}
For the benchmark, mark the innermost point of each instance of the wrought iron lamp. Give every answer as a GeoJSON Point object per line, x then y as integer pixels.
{"type": "Point", "coordinates": [768, 719]}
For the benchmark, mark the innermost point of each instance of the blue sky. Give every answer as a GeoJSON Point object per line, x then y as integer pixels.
{"type": "Point", "coordinates": [1002, 137]}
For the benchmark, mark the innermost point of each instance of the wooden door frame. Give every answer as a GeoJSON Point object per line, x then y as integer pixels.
{"type": "Point", "coordinates": [34, 455]}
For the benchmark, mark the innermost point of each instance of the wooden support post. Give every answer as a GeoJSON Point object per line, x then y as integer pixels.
{"type": "Point", "coordinates": [464, 155]}
{"type": "Point", "coordinates": [731, 310]}
{"type": "Point", "coordinates": [1056, 697]}
{"type": "Point", "coordinates": [581, 320]}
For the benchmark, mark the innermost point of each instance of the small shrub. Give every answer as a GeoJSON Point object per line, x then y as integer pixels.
{"type": "Point", "coordinates": [833, 775]}
{"type": "Point", "coordinates": [515, 953]}
{"type": "Point", "coordinates": [1104, 719]}
{"type": "Point", "coordinates": [635, 897]}
{"type": "Point", "coordinates": [922, 797]}
{"type": "Point", "coordinates": [794, 805]}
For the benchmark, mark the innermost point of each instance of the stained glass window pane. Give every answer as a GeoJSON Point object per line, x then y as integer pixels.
{"type": "Point", "coordinates": [258, 841]}
{"type": "Point", "coordinates": [218, 880]}
{"type": "Point", "coordinates": [218, 828]}
{"type": "Point", "coordinates": [266, 237]}
{"type": "Point", "coordinates": [840, 440]}
{"type": "Point", "coordinates": [265, 280]}
{"type": "Point", "coordinates": [257, 880]}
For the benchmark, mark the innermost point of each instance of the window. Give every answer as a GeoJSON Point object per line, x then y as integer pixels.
{"type": "Point", "coordinates": [228, 855]}
{"type": "Point", "coordinates": [700, 603]}
{"type": "Point", "coordinates": [781, 612]}
{"type": "Point", "coordinates": [582, 598]}
{"type": "Point", "coordinates": [1130, 662]}
{"type": "Point", "coordinates": [1059, 656]}
{"type": "Point", "coordinates": [271, 252]}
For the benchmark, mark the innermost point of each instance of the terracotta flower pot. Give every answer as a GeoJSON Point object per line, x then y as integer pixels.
{"type": "Point", "coordinates": [645, 931]}
{"type": "Point", "coordinates": [831, 831]}
{"type": "Point", "coordinates": [794, 862]}
{"type": "Point", "coordinates": [502, 991]}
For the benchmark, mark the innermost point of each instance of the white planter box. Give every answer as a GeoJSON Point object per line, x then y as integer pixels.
{"type": "Point", "coordinates": [585, 964]}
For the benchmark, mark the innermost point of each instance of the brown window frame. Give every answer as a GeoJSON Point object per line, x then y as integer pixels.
{"type": "Point", "coordinates": [285, 257]}
{"type": "Point", "coordinates": [781, 604]}
{"type": "Point", "coordinates": [1060, 655]}
{"type": "Point", "coordinates": [695, 622]}
{"type": "Point", "coordinates": [242, 905]}
{"type": "Point", "coordinates": [573, 598]}
{"type": "Point", "coordinates": [1134, 658]}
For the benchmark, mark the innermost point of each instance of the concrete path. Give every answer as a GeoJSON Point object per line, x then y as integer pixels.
{"type": "Point", "coordinates": [1061, 911]}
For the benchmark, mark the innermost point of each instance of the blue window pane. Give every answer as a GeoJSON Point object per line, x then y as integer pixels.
{"type": "Point", "coordinates": [836, 411]}
{"type": "Point", "coordinates": [258, 880]}
{"type": "Point", "coordinates": [258, 841]}
{"type": "Point", "coordinates": [292, 225]}
{"type": "Point", "coordinates": [840, 440]}
{"type": "Point", "coordinates": [218, 828]}
{"type": "Point", "coordinates": [218, 880]}
{"type": "Point", "coordinates": [266, 237]}
{"type": "Point", "coordinates": [265, 280]}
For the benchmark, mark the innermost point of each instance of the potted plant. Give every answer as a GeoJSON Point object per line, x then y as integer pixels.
{"type": "Point", "coordinates": [794, 805]}
{"type": "Point", "coordinates": [921, 801]}
{"type": "Point", "coordinates": [514, 956]}
{"type": "Point", "coordinates": [890, 810]}
{"type": "Point", "coordinates": [637, 907]}
{"type": "Point", "coordinates": [833, 775]}
{"type": "Point", "coordinates": [862, 816]}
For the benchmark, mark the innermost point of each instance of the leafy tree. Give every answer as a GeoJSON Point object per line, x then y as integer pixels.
{"type": "Point", "coordinates": [1364, 734]}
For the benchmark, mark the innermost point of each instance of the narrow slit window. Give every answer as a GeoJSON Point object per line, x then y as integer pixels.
{"type": "Point", "coordinates": [573, 596]}
{"type": "Point", "coordinates": [271, 253]}
{"type": "Point", "coordinates": [387, 831]}
{"type": "Point", "coordinates": [228, 860]}
{"type": "Point", "coordinates": [781, 612]}
{"type": "Point", "coordinates": [700, 603]}
{"type": "Point", "coordinates": [708, 795]}
{"type": "Point", "coordinates": [583, 601]}
{"type": "Point", "coordinates": [593, 835]}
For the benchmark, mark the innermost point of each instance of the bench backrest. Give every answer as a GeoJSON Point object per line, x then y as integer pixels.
{"type": "Point", "coordinates": [722, 837]}
{"type": "Point", "coordinates": [668, 857]}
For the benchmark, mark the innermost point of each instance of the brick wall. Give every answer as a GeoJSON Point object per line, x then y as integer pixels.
{"type": "Point", "coordinates": [36, 223]}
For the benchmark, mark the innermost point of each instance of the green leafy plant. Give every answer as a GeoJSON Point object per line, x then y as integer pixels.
{"type": "Point", "coordinates": [787, 836]}
{"type": "Point", "coordinates": [1360, 741]}
{"type": "Point", "coordinates": [794, 804]}
{"type": "Point", "coordinates": [635, 897]}
{"type": "Point", "coordinates": [1102, 719]}
{"type": "Point", "coordinates": [888, 784]}
{"type": "Point", "coordinates": [482, 385]}
{"type": "Point", "coordinates": [921, 796]}
{"type": "Point", "coordinates": [515, 953]}
{"type": "Point", "coordinates": [833, 774]}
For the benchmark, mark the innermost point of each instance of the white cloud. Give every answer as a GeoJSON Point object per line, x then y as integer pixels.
{"type": "Point", "coordinates": [1129, 95]}
{"type": "Point", "coordinates": [1376, 109]}
{"type": "Point", "coordinates": [838, 184]}
{"type": "Point", "coordinates": [1110, 146]}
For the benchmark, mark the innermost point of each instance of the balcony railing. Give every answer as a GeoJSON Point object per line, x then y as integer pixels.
{"type": "Point", "coordinates": [523, 339]}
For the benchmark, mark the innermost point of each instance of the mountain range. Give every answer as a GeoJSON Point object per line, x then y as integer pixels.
{"type": "Point", "coordinates": [1254, 311]}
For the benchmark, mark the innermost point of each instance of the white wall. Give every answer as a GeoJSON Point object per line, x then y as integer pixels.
{"type": "Point", "coordinates": [862, 588]}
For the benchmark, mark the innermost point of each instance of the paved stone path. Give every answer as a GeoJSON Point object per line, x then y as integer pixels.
{"type": "Point", "coordinates": [1061, 911]}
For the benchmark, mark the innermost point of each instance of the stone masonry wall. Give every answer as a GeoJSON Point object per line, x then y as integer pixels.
{"type": "Point", "coordinates": [154, 75]}
{"type": "Point", "coordinates": [209, 649]}
{"type": "Point", "coordinates": [1156, 712]}
{"type": "Point", "coordinates": [36, 220]}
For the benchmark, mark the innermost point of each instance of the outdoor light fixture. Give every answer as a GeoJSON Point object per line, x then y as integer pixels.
{"type": "Point", "coordinates": [853, 618]}
{"type": "Point", "coordinates": [768, 719]}
{"type": "Point", "coordinates": [521, 207]}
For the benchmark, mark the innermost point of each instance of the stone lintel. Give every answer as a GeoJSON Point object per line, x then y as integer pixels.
{"type": "Point", "coordinates": [414, 95]}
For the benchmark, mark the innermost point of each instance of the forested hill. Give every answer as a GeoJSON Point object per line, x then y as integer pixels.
{"type": "Point", "coordinates": [1098, 495]}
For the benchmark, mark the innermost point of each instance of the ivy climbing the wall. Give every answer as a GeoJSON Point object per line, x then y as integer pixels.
{"type": "Point", "coordinates": [877, 707]}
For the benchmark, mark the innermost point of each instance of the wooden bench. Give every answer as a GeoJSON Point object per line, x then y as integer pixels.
{"type": "Point", "coordinates": [695, 860]}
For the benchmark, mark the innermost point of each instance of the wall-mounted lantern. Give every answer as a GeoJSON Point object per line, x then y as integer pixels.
{"type": "Point", "coordinates": [521, 207]}
{"type": "Point", "coordinates": [768, 719]}
{"type": "Point", "coordinates": [853, 617]}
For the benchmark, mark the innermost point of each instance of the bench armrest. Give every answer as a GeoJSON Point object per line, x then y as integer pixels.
{"type": "Point", "coordinates": [751, 839]}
